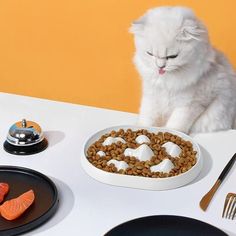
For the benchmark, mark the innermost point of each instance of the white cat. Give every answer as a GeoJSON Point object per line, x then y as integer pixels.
{"type": "Point", "coordinates": [187, 84]}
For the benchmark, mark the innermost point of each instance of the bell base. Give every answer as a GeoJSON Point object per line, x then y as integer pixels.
{"type": "Point", "coordinates": [25, 150]}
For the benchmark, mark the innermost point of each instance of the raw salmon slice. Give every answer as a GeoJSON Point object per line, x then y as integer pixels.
{"type": "Point", "coordinates": [4, 189]}
{"type": "Point", "coordinates": [15, 207]}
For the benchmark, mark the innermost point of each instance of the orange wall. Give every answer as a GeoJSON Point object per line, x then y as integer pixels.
{"type": "Point", "coordinates": [80, 51]}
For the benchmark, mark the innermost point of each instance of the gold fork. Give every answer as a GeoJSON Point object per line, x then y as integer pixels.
{"type": "Point", "coordinates": [229, 210]}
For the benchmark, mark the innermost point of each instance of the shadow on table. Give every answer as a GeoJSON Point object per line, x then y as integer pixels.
{"type": "Point", "coordinates": [54, 137]}
{"type": "Point", "coordinates": [66, 202]}
{"type": "Point", "coordinates": [206, 165]}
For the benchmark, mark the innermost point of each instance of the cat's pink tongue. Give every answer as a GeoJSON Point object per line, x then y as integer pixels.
{"type": "Point", "coordinates": [161, 71]}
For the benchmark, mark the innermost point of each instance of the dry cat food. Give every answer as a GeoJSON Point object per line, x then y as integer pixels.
{"type": "Point", "coordinates": [142, 153]}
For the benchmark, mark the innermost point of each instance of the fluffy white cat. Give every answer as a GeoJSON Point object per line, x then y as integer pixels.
{"type": "Point", "coordinates": [187, 84]}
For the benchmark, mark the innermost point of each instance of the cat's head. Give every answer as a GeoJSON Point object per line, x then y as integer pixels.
{"type": "Point", "coordinates": [169, 40]}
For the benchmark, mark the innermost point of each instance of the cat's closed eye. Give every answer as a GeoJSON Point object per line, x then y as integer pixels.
{"type": "Point", "coordinates": [171, 56]}
{"type": "Point", "coordinates": [149, 53]}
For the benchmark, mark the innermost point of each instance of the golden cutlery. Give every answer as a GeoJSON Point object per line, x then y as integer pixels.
{"type": "Point", "coordinates": [207, 197]}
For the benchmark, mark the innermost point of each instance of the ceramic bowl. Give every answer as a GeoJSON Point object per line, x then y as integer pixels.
{"type": "Point", "coordinates": [140, 181]}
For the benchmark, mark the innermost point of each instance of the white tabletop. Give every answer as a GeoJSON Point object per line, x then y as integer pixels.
{"type": "Point", "coordinates": [90, 208]}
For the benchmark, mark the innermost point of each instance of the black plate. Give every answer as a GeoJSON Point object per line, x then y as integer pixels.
{"type": "Point", "coordinates": [45, 204]}
{"type": "Point", "coordinates": [165, 225]}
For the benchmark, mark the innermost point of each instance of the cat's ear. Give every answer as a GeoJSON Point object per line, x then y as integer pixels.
{"type": "Point", "coordinates": [138, 26]}
{"type": "Point", "coordinates": [192, 30]}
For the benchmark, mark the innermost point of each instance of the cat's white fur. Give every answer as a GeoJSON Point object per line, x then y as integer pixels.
{"type": "Point", "coordinates": [197, 92]}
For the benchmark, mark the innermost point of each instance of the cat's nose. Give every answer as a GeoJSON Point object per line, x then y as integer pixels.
{"type": "Point", "coordinates": [160, 63]}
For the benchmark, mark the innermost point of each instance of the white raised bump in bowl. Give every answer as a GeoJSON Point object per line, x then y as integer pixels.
{"type": "Point", "coordinates": [142, 139]}
{"type": "Point", "coordinates": [172, 149]}
{"type": "Point", "coordinates": [111, 140]}
{"type": "Point", "coordinates": [143, 152]}
{"type": "Point", "coordinates": [101, 153]}
{"type": "Point", "coordinates": [120, 165]}
{"type": "Point", "coordinates": [165, 166]}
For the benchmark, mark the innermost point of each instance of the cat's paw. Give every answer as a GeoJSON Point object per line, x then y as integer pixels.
{"type": "Point", "coordinates": [144, 122]}
{"type": "Point", "coordinates": [177, 128]}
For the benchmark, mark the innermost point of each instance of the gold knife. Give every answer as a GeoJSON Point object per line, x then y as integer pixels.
{"type": "Point", "coordinates": [207, 198]}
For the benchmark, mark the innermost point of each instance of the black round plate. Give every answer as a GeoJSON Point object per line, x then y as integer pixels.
{"type": "Point", "coordinates": [45, 204]}
{"type": "Point", "coordinates": [165, 225]}
{"type": "Point", "coordinates": [25, 150]}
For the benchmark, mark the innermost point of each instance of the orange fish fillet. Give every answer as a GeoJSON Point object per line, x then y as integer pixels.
{"type": "Point", "coordinates": [4, 188]}
{"type": "Point", "coordinates": [15, 207]}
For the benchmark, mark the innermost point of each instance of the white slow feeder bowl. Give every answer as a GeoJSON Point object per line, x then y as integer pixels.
{"type": "Point", "coordinates": [140, 181]}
